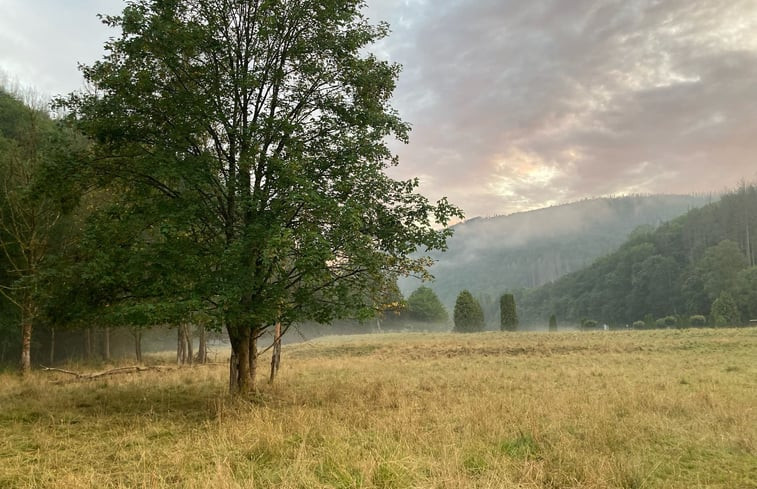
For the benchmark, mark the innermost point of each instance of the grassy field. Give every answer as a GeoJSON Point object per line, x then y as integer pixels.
{"type": "Point", "coordinates": [656, 409]}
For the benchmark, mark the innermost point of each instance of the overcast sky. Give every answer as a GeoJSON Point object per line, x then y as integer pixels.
{"type": "Point", "coordinates": [517, 104]}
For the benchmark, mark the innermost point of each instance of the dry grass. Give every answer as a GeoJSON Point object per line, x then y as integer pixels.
{"type": "Point", "coordinates": [664, 409]}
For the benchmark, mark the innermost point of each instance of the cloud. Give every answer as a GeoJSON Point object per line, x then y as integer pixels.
{"type": "Point", "coordinates": [516, 105]}
{"type": "Point", "coordinates": [42, 41]}
{"type": "Point", "coordinates": [520, 104]}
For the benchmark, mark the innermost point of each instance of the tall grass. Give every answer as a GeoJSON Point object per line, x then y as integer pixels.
{"type": "Point", "coordinates": [657, 409]}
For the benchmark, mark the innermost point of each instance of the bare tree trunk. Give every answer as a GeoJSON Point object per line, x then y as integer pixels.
{"type": "Point", "coordinates": [26, 346]}
{"type": "Point", "coordinates": [88, 344]}
{"type": "Point", "coordinates": [188, 339]}
{"type": "Point", "coordinates": [202, 349]}
{"type": "Point", "coordinates": [180, 346]}
{"type": "Point", "coordinates": [106, 343]}
{"type": "Point", "coordinates": [276, 355]}
{"type": "Point", "coordinates": [52, 346]}
{"type": "Point", "coordinates": [138, 344]}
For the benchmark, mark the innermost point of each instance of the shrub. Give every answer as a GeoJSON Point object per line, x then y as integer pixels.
{"type": "Point", "coordinates": [589, 323]}
{"type": "Point", "coordinates": [698, 320]}
{"type": "Point", "coordinates": [553, 323]}
{"type": "Point", "coordinates": [724, 311]}
{"type": "Point", "coordinates": [639, 325]}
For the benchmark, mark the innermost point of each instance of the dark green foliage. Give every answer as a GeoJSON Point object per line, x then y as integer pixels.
{"type": "Point", "coordinates": [725, 312]}
{"type": "Point", "coordinates": [508, 316]}
{"type": "Point", "coordinates": [423, 305]}
{"type": "Point", "coordinates": [697, 320]}
{"type": "Point", "coordinates": [250, 182]}
{"type": "Point", "coordinates": [679, 267]}
{"type": "Point", "coordinates": [639, 325]}
{"type": "Point", "coordinates": [35, 200]}
{"type": "Point", "coordinates": [468, 315]}
{"type": "Point", "coordinates": [553, 323]}
{"type": "Point", "coordinates": [589, 323]}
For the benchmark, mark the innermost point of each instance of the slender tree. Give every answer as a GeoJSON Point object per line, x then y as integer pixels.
{"type": "Point", "coordinates": [553, 323]}
{"type": "Point", "coordinates": [249, 139]}
{"type": "Point", "coordinates": [507, 313]}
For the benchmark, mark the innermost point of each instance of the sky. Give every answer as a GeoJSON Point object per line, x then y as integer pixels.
{"type": "Point", "coordinates": [514, 104]}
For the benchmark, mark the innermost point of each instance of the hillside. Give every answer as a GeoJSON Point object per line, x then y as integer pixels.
{"type": "Point", "coordinates": [681, 269]}
{"type": "Point", "coordinates": [489, 256]}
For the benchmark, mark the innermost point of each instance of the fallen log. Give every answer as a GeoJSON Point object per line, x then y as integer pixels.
{"type": "Point", "coordinates": [113, 371]}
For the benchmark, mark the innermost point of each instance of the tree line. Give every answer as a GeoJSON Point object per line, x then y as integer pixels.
{"type": "Point", "coordinates": [697, 268]}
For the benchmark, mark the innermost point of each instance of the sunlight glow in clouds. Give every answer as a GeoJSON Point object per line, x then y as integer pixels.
{"type": "Point", "coordinates": [516, 105]}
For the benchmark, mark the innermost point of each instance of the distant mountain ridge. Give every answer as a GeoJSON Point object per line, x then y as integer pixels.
{"type": "Point", "coordinates": [489, 256]}
{"type": "Point", "coordinates": [681, 269]}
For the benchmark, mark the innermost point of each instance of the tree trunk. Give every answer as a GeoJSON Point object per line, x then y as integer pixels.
{"type": "Point", "coordinates": [138, 344]}
{"type": "Point", "coordinates": [253, 356]}
{"type": "Point", "coordinates": [243, 360]}
{"type": "Point", "coordinates": [188, 339]}
{"type": "Point", "coordinates": [26, 346]}
{"type": "Point", "coordinates": [52, 346]}
{"type": "Point", "coordinates": [180, 346]}
{"type": "Point", "coordinates": [276, 355]}
{"type": "Point", "coordinates": [202, 349]}
{"type": "Point", "coordinates": [106, 344]}
{"type": "Point", "coordinates": [88, 344]}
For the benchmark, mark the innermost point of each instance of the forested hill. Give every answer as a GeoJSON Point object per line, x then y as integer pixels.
{"type": "Point", "coordinates": [489, 256]}
{"type": "Point", "coordinates": [699, 264]}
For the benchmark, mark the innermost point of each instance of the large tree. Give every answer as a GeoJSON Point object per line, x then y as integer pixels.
{"type": "Point", "coordinates": [252, 135]}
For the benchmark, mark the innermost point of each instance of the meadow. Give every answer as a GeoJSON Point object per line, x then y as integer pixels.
{"type": "Point", "coordinates": [629, 409]}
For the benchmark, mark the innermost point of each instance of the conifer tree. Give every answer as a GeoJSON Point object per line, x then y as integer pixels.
{"type": "Point", "coordinates": [469, 317]}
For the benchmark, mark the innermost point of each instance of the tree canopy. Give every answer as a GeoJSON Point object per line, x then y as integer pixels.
{"type": "Point", "coordinates": [245, 144]}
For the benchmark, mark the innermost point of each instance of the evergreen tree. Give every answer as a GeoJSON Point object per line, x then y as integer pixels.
{"type": "Point", "coordinates": [507, 313]}
{"type": "Point", "coordinates": [469, 317]}
{"type": "Point", "coordinates": [553, 323]}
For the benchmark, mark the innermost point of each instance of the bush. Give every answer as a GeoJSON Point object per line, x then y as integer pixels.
{"type": "Point", "coordinates": [469, 317]}
{"type": "Point", "coordinates": [724, 311]}
{"type": "Point", "coordinates": [589, 323]}
{"type": "Point", "coordinates": [670, 320]}
{"type": "Point", "coordinates": [698, 320]}
{"type": "Point", "coordinates": [553, 323]}
{"type": "Point", "coordinates": [639, 325]}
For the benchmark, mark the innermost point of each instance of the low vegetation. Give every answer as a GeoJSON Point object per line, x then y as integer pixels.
{"type": "Point", "coordinates": [632, 409]}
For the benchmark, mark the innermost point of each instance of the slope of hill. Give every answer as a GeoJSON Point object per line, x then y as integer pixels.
{"type": "Point", "coordinates": [680, 269]}
{"type": "Point", "coordinates": [489, 256]}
